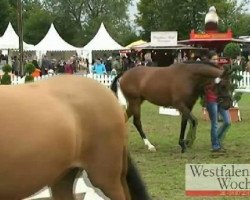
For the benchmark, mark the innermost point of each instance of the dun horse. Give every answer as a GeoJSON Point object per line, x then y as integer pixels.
{"type": "Point", "coordinates": [51, 130]}
{"type": "Point", "coordinates": [178, 85]}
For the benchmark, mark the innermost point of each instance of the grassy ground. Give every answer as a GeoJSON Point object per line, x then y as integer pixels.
{"type": "Point", "coordinates": [164, 170]}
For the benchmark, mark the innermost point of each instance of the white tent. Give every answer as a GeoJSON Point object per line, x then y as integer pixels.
{"type": "Point", "coordinates": [53, 42]}
{"type": "Point", "coordinates": [10, 40]}
{"type": "Point", "coordinates": [102, 41]}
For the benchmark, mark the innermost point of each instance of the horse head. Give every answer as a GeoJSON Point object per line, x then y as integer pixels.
{"type": "Point", "coordinates": [223, 89]}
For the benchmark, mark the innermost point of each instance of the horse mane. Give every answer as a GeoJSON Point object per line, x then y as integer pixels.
{"type": "Point", "coordinates": [201, 62]}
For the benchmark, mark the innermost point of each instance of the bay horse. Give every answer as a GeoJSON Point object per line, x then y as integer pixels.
{"type": "Point", "coordinates": [53, 129]}
{"type": "Point", "coordinates": [178, 85]}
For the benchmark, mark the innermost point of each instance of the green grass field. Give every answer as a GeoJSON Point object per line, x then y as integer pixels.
{"type": "Point", "coordinates": [164, 171]}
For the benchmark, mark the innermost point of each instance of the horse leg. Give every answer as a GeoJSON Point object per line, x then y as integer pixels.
{"type": "Point", "coordinates": [63, 188]}
{"type": "Point", "coordinates": [182, 133]}
{"type": "Point", "coordinates": [191, 135]}
{"type": "Point", "coordinates": [107, 171]}
{"type": "Point", "coordinates": [135, 108]}
{"type": "Point", "coordinates": [187, 116]}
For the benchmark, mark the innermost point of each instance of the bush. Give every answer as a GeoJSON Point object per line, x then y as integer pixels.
{"type": "Point", "coordinates": [29, 78]}
{"type": "Point", "coordinates": [235, 78]}
{"type": "Point", "coordinates": [29, 69]}
{"type": "Point", "coordinates": [6, 79]}
{"type": "Point", "coordinates": [7, 68]}
{"type": "Point", "coordinates": [232, 50]}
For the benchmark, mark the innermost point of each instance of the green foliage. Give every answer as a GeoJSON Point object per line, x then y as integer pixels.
{"type": "Point", "coordinates": [29, 78]}
{"type": "Point", "coordinates": [6, 79]}
{"type": "Point", "coordinates": [232, 50]}
{"type": "Point", "coordinates": [185, 15]}
{"type": "Point", "coordinates": [29, 68]}
{"type": "Point", "coordinates": [4, 15]}
{"type": "Point", "coordinates": [36, 25]}
{"type": "Point", "coordinates": [232, 15]}
{"type": "Point", "coordinates": [7, 68]}
{"type": "Point", "coordinates": [78, 20]}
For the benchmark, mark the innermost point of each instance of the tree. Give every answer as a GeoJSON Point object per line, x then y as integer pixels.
{"type": "Point", "coordinates": [36, 25]}
{"type": "Point", "coordinates": [231, 14]}
{"type": "Point", "coordinates": [85, 16]}
{"type": "Point", "coordinates": [185, 15]}
{"type": "Point", "coordinates": [4, 15]}
{"type": "Point", "coordinates": [168, 15]}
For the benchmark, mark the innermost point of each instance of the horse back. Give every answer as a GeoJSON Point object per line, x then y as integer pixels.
{"type": "Point", "coordinates": [159, 85]}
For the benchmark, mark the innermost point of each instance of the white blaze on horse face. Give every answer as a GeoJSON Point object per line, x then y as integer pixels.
{"type": "Point", "coordinates": [149, 145]}
{"type": "Point", "coordinates": [217, 80]}
{"type": "Point", "coordinates": [121, 98]}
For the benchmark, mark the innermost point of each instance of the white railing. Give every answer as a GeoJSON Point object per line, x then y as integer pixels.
{"type": "Point", "coordinates": [244, 84]}
{"type": "Point", "coordinates": [16, 80]}
{"type": "Point", "coordinates": [103, 79]}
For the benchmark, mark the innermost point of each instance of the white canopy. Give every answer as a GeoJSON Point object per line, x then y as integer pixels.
{"type": "Point", "coordinates": [102, 41]}
{"type": "Point", "coordinates": [10, 40]}
{"type": "Point", "coordinates": [53, 42]}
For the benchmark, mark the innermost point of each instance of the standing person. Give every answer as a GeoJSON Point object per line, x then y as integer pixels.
{"type": "Point", "coordinates": [108, 65]}
{"type": "Point", "coordinates": [68, 67]}
{"type": "Point", "coordinates": [116, 64]}
{"type": "Point", "coordinates": [46, 65]}
{"type": "Point", "coordinates": [16, 66]}
{"type": "Point", "coordinates": [99, 67]}
{"type": "Point", "coordinates": [214, 109]}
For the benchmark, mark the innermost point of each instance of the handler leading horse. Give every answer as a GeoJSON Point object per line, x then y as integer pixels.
{"type": "Point", "coordinates": [53, 129]}
{"type": "Point", "coordinates": [178, 85]}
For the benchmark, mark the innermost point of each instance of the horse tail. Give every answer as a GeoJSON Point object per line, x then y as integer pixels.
{"type": "Point", "coordinates": [135, 183]}
{"type": "Point", "coordinates": [115, 87]}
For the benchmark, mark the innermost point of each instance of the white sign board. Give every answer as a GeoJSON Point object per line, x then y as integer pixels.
{"type": "Point", "coordinates": [164, 38]}
{"type": "Point", "coordinates": [168, 111]}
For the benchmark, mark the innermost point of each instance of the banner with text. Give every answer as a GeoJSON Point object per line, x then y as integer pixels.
{"type": "Point", "coordinates": [164, 38]}
{"type": "Point", "coordinates": [217, 179]}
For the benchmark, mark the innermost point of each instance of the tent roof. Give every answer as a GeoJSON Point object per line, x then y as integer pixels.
{"type": "Point", "coordinates": [10, 40]}
{"type": "Point", "coordinates": [150, 45]}
{"type": "Point", "coordinates": [136, 43]}
{"type": "Point", "coordinates": [102, 41]}
{"type": "Point", "coordinates": [52, 41]}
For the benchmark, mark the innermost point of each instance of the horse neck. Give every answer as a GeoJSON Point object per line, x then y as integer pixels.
{"type": "Point", "coordinates": [205, 74]}
{"type": "Point", "coordinates": [207, 71]}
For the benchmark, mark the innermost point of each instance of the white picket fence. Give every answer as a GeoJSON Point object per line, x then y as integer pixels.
{"type": "Point", "coordinates": [103, 79]}
{"type": "Point", "coordinates": [244, 84]}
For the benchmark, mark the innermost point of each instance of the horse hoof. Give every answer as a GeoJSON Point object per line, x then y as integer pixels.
{"type": "Point", "coordinates": [152, 149]}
